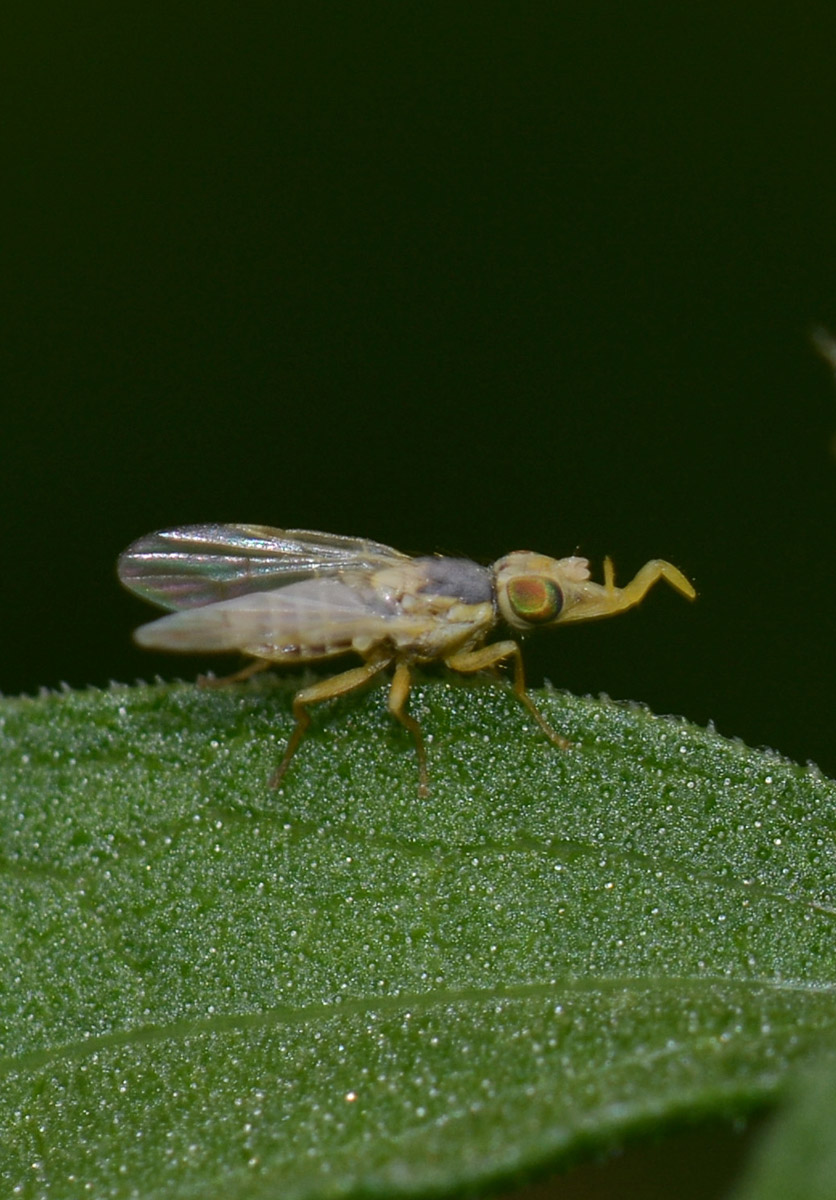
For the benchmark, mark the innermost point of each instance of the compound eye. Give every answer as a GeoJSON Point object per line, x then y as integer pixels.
{"type": "Point", "coordinates": [535, 599]}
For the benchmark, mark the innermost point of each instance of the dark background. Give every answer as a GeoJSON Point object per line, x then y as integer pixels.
{"type": "Point", "coordinates": [466, 278]}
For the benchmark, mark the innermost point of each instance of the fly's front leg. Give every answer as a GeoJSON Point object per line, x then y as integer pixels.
{"type": "Point", "coordinates": [638, 587]}
{"type": "Point", "coordinates": [327, 689]}
{"type": "Point", "coordinates": [469, 661]}
{"type": "Point", "coordinates": [398, 696]}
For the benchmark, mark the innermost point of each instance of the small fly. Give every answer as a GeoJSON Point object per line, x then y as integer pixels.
{"type": "Point", "coordinates": [292, 596]}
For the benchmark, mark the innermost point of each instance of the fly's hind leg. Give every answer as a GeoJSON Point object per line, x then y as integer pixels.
{"type": "Point", "coordinates": [469, 661]}
{"type": "Point", "coordinates": [398, 696]}
{"type": "Point", "coordinates": [327, 689]}
{"type": "Point", "coordinates": [253, 668]}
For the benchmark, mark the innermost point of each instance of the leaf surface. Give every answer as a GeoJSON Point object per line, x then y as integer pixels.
{"type": "Point", "coordinates": [336, 989]}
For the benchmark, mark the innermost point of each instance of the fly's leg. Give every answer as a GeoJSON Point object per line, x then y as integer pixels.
{"type": "Point", "coordinates": [605, 599]}
{"type": "Point", "coordinates": [253, 668]}
{"type": "Point", "coordinates": [469, 661]}
{"type": "Point", "coordinates": [398, 696]}
{"type": "Point", "coordinates": [638, 587]}
{"type": "Point", "coordinates": [327, 689]}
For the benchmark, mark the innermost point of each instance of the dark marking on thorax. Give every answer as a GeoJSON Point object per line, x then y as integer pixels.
{"type": "Point", "coordinates": [459, 577]}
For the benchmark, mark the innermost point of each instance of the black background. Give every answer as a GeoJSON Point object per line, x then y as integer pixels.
{"type": "Point", "coordinates": [466, 278]}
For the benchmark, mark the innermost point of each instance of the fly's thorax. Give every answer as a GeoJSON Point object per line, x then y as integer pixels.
{"type": "Point", "coordinates": [422, 578]}
{"type": "Point", "coordinates": [533, 590]}
{"type": "Point", "coordinates": [460, 578]}
{"type": "Point", "coordinates": [436, 605]}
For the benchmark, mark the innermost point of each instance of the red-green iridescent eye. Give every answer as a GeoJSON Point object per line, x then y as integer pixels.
{"type": "Point", "coordinates": [534, 598]}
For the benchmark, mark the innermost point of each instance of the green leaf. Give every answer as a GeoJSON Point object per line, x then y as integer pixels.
{"type": "Point", "coordinates": [334, 989]}
{"type": "Point", "coordinates": [798, 1157]}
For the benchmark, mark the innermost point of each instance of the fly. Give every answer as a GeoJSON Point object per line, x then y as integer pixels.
{"type": "Point", "coordinates": [291, 596]}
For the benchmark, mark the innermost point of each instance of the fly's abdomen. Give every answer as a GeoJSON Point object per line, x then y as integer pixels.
{"type": "Point", "coordinates": [318, 618]}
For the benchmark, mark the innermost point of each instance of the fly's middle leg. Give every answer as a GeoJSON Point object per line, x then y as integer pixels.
{"type": "Point", "coordinates": [470, 661]}
{"type": "Point", "coordinates": [398, 696]}
{"type": "Point", "coordinates": [327, 689]}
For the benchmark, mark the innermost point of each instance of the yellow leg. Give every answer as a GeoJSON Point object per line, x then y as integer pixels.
{"type": "Point", "coordinates": [469, 661]}
{"type": "Point", "coordinates": [398, 696]}
{"type": "Point", "coordinates": [253, 668]}
{"type": "Point", "coordinates": [605, 599]}
{"type": "Point", "coordinates": [640, 585]}
{"type": "Point", "coordinates": [327, 689]}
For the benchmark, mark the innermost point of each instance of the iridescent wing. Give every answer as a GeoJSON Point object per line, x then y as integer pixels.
{"type": "Point", "coordinates": [202, 564]}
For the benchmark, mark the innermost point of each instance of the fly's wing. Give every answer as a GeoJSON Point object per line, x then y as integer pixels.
{"type": "Point", "coordinates": [197, 565]}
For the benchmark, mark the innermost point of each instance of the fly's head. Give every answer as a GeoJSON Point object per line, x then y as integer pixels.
{"type": "Point", "coordinates": [534, 591]}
